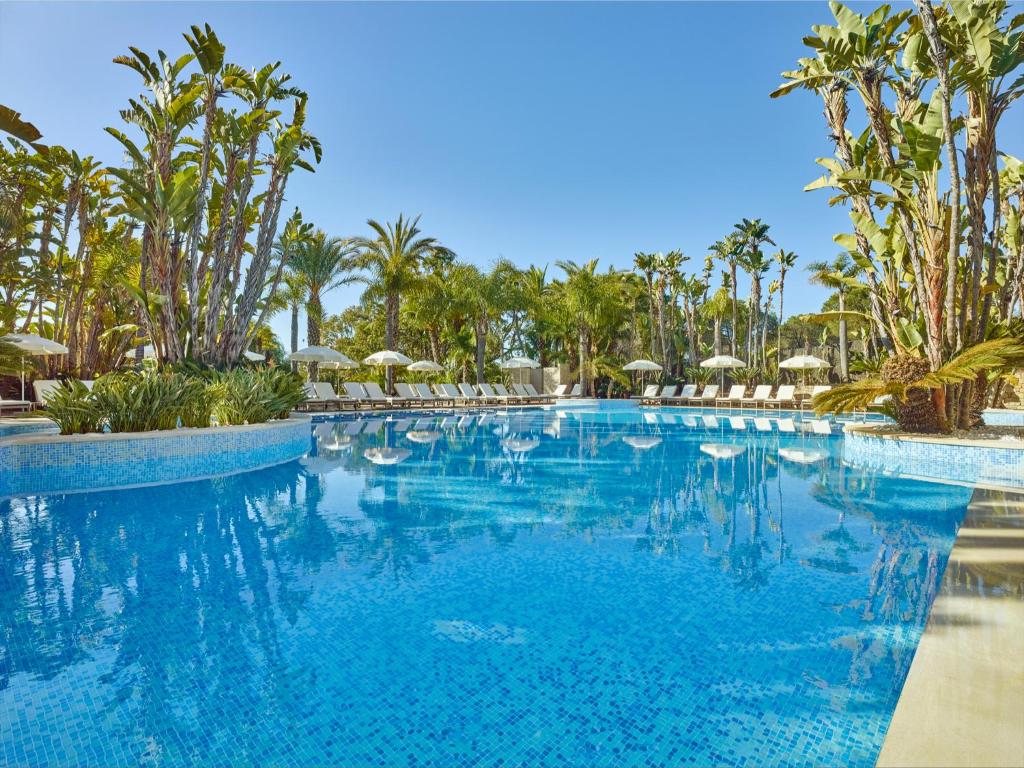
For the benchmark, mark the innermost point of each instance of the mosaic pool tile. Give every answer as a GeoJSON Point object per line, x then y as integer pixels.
{"type": "Point", "coordinates": [583, 588]}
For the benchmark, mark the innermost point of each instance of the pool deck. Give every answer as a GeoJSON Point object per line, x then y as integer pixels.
{"type": "Point", "coordinates": [963, 700]}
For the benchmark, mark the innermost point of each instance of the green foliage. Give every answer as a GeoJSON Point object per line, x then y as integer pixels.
{"type": "Point", "coordinates": [246, 396]}
{"type": "Point", "coordinates": [72, 407]}
{"type": "Point", "coordinates": [185, 397]}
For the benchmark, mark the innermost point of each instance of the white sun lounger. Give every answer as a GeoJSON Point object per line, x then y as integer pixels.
{"type": "Point", "coordinates": [761, 393]}
{"type": "Point", "coordinates": [707, 396]}
{"type": "Point", "coordinates": [376, 395]}
{"type": "Point", "coordinates": [686, 393]}
{"type": "Point", "coordinates": [505, 396]}
{"type": "Point", "coordinates": [650, 391]}
{"type": "Point", "coordinates": [736, 393]}
{"type": "Point", "coordinates": [451, 393]}
{"type": "Point", "coordinates": [531, 391]}
{"type": "Point", "coordinates": [667, 392]}
{"type": "Point", "coordinates": [326, 395]}
{"type": "Point", "coordinates": [469, 393]}
{"type": "Point", "coordinates": [785, 395]}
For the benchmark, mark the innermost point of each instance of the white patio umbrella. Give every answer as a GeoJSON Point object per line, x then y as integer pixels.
{"type": "Point", "coordinates": [721, 451]}
{"type": "Point", "coordinates": [28, 344]}
{"type": "Point", "coordinates": [426, 365]}
{"type": "Point", "coordinates": [804, 363]}
{"type": "Point", "coordinates": [256, 357]}
{"type": "Point", "coordinates": [317, 354]}
{"type": "Point", "coordinates": [641, 442]}
{"type": "Point", "coordinates": [722, 362]}
{"type": "Point", "coordinates": [519, 364]}
{"type": "Point", "coordinates": [387, 358]}
{"type": "Point", "coordinates": [386, 456]}
{"type": "Point", "coordinates": [642, 366]}
{"type": "Point", "coordinates": [514, 363]}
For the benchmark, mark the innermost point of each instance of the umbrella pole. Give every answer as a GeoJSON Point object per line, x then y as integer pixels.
{"type": "Point", "coordinates": [22, 377]}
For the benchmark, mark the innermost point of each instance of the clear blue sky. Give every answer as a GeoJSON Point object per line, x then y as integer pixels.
{"type": "Point", "coordinates": [533, 131]}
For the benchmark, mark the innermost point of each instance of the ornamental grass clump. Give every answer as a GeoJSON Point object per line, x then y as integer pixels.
{"type": "Point", "coordinates": [74, 410]}
{"type": "Point", "coordinates": [161, 400]}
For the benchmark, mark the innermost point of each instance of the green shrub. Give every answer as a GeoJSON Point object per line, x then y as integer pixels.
{"type": "Point", "coordinates": [244, 396]}
{"type": "Point", "coordinates": [74, 409]}
{"type": "Point", "coordinates": [141, 402]}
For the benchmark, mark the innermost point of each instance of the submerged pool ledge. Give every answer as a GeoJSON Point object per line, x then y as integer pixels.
{"type": "Point", "coordinates": [994, 463]}
{"type": "Point", "coordinates": [34, 464]}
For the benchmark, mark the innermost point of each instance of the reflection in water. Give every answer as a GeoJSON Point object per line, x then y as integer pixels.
{"type": "Point", "coordinates": [658, 578]}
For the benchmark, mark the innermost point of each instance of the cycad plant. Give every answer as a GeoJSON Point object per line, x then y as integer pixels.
{"type": "Point", "coordinates": [912, 387]}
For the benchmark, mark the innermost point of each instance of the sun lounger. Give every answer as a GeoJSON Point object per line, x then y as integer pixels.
{"type": "Point", "coordinates": [508, 397]}
{"type": "Point", "coordinates": [488, 394]}
{"type": "Point", "coordinates": [667, 392]}
{"type": "Point", "coordinates": [761, 393]}
{"type": "Point", "coordinates": [326, 396]}
{"type": "Point", "coordinates": [736, 393]}
{"type": "Point", "coordinates": [576, 391]}
{"type": "Point", "coordinates": [650, 391]}
{"type": "Point", "coordinates": [357, 394]}
{"type": "Point", "coordinates": [531, 391]}
{"type": "Point", "coordinates": [406, 392]}
{"type": "Point", "coordinates": [686, 393]}
{"type": "Point", "coordinates": [450, 393]}
{"type": "Point", "coordinates": [15, 405]}
{"type": "Point", "coordinates": [469, 394]}
{"type": "Point", "coordinates": [376, 395]}
{"type": "Point", "coordinates": [707, 396]}
{"type": "Point", "coordinates": [785, 396]}
{"type": "Point", "coordinates": [43, 388]}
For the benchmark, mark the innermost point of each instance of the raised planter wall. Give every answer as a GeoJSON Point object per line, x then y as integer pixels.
{"type": "Point", "coordinates": [55, 463]}
{"type": "Point", "coordinates": [965, 461]}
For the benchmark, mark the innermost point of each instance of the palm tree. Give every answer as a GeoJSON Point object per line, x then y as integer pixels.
{"type": "Point", "coordinates": [393, 259]}
{"type": "Point", "coordinates": [755, 264]}
{"type": "Point", "coordinates": [717, 308]}
{"type": "Point", "coordinates": [728, 250]}
{"type": "Point", "coordinates": [647, 263]}
{"type": "Point", "coordinates": [321, 264]}
{"type": "Point", "coordinates": [838, 275]}
{"type": "Point", "coordinates": [588, 296]}
{"type": "Point", "coordinates": [786, 261]}
{"type": "Point", "coordinates": [293, 296]}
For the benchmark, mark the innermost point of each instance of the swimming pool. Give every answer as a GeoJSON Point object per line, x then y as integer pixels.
{"type": "Point", "coordinates": [587, 586]}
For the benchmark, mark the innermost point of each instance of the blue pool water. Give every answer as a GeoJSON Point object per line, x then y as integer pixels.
{"type": "Point", "coordinates": [585, 587]}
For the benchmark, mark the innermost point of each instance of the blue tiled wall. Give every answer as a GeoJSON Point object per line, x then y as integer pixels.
{"type": "Point", "coordinates": [35, 465]}
{"type": "Point", "coordinates": [963, 463]}
{"type": "Point", "coordinates": [1004, 418]}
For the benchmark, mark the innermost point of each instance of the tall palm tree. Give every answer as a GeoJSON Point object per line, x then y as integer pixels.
{"type": "Point", "coordinates": [838, 275]}
{"type": "Point", "coordinates": [717, 308]}
{"type": "Point", "coordinates": [393, 258]}
{"type": "Point", "coordinates": [755, 264]}
{"type": "Point", "coordinates": [728, 250]}
{"type": "Point", "coordinates": [786, 261]}
{"type": "Point", "coordinates": [293, 295]}
{"type": "Point", "coordinates": [321, 264]}
{"type": "Point", "coordinates": [647, 264]}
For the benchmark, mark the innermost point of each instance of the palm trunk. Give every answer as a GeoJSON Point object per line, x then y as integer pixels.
{"type": "Point", "coordinates": [844, 352]}
{"type": "Point", "coordinates": [782, 289]}
{"type": "Point", "coordinates": [480, 329]}
{"type": "Point", "coordinates": [735, 311]}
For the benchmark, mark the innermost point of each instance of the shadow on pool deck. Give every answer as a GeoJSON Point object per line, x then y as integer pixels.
{"type": "Point", "coordinates": [963, 701]}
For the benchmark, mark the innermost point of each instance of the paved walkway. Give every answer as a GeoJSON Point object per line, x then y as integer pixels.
{"type": "Point", "coordinates": [963, 701]}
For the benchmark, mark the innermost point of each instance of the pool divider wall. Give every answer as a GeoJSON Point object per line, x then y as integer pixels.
{"type": "Point", "coordinates": [995, 463]}
{"type": "Point", "coordinates": [61, 463]}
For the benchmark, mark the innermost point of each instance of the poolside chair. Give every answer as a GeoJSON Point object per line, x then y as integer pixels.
{"type": "Point", "coordinates": [487, 393]}
{"type": "Point", "coordinates": [667, 392]}
{"type": "Point", "coordinates": [507, 397]}
{"type": "Point", "coordinates": [406, 392]}
{"type": "Point", "coordinates": [576, 391]}
{"type": "Point", "coordinates": [425, 395]}
{"type": "Point", "coordinates": [785, 396]}
{"type": "Point", "coordinates": [531, 391]}
{"type": "Point", "coordinates": [469, 394]}
{"type": "Point", "coordinates": [326, 396]}
{"type": "Point", "coordinates": [357, 394]}
{"type": "Point", "coordinates": [650, 391]}
{"type": "Point", "coordinates": [15, 405]}
{"type": "Point", "coordinates": [451, 393]}
{"type": "Point", "coordinates": [560, 390]}
{"type": "Point", "coordinates": [736, 393]}
{"type": "Point", "coordinates": [686, 393]}
{"type": "Point", "coordinates": [816, 390]}
{"type": "Point", "coordinates": [376, 395]}
{"type": "Point", "coordinates": [761, 393]}
{"type": "Point", "coordinates": [44, 388]}
{"type": "Point", "coordinates": [707, 396]}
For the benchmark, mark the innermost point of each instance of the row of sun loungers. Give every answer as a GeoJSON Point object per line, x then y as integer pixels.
{"type": "Point", "coordinates": [41, 388]}
{"type": "Point", "coordinates": [737, 396]}
{"type": "Point", "coordinates": [368, 394]}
